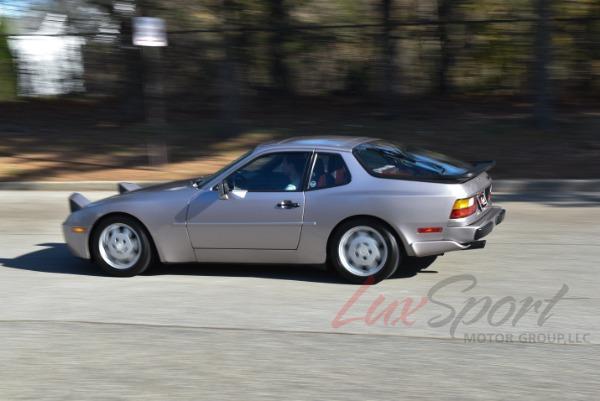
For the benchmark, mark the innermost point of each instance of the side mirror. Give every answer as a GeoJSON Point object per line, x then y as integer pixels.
{"type": "Point", "coordinates": [224, 190]}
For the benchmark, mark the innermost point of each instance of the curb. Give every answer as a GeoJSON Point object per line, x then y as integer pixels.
{"type": "Point", "coordinates": [500, 186]}
{"type": "Point", "coordinates": [546, 186]}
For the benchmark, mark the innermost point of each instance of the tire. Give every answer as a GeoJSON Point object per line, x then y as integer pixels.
{"type": "Point", "coordinates": [363, 251]}
{"type": "Point", "coordinates": [121, 246]}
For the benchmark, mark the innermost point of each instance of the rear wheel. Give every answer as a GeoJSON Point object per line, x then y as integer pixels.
{"type": "Point", "coordinates": [121, 246]}
{"type": "Point", "coordinates": [364, 250]}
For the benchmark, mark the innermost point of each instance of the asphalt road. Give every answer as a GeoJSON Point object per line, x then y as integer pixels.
{"type": "Point", "coordinates": [231, 332]}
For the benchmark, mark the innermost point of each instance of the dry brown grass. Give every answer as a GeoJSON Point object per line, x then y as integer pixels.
{"type": "Point", "coordinates": [58, 147]}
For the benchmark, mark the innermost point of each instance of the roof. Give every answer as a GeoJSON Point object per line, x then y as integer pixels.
{"type": "Point", "coordinates": [345, 143]}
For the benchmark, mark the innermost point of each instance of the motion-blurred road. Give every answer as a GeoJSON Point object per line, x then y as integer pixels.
{"type": "Point", "coordinates": [231, 332]}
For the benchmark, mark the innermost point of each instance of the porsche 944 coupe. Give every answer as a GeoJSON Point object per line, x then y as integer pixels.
{"type": "Point", "coordinates": [364, 206]}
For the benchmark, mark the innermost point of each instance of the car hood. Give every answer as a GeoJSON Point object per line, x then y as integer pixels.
{"type": "Point", "coordinates": [166, 186]}
{"type": "Point", "coordinates": [147, 191]}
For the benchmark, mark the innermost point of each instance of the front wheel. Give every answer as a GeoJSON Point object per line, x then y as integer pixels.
{"type": "Point", "coordinates": [364, 251]}
{"type": "Point", "coordinates": [121, 246]}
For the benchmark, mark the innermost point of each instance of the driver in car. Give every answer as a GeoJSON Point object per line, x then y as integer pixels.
{"type": "Point", "coordinates": [292, 168]}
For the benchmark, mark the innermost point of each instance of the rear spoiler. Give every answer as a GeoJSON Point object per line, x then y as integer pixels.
{"type": "Point", "coordinates": [127, 187]}
{"type": "Point", "coordinates": [77, 202]}
{"type": "Point", "coordinates": [479, 167]}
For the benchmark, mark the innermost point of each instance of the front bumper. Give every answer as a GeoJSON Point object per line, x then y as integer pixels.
{"type": "Point", "coordinates": [463, 237]}
{"type": "Point", "coordinates": [77, 243]}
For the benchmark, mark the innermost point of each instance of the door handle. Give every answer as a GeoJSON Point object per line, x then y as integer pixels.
{"type": "Point", "coordinates": [287, 204]}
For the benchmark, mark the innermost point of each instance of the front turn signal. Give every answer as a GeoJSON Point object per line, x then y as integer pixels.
{"type": "Point", "coordinates": [78, 230]}
{"type": "Point", "coordinates": [463, 208]}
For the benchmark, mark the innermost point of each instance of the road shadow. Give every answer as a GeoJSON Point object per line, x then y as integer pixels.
{"type": "Point", "coordinates": [309, 273]}
{"type": "Point", "coordinates": [52, 258]}
{"type": "Point", "coordinates": [56, 258]}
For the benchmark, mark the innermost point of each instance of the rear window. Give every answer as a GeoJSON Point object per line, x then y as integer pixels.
{"type": "Point", "coordinates": [389, 160]}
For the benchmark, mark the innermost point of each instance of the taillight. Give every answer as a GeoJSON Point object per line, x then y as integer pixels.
{"type": "Point", "coordinates": [463, 208]}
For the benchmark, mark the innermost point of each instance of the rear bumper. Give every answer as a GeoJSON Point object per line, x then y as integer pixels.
{"type": "Point", "coordinates": [461, 238]}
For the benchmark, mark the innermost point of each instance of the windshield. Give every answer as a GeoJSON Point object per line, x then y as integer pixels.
{"type": "Point", "coordinates": [202, 180]}
{"type": "Point", "coordinates": [389, 160]}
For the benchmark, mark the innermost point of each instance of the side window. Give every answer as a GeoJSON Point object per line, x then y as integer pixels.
{"type": "Point", "coordinates": [274, 172]}
{"type": "Point", "coordinates": [329, 171]}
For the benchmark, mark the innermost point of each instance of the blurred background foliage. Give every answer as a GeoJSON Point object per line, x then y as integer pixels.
{"type": "Point", "coordinates": [232, 61]}
{"type": "Point", "coordinates": [8, 77]}
{"type": "Point", "coordinates": [358, 48]}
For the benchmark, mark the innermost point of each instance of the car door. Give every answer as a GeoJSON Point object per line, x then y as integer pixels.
{"type": "Point", "coordinates": [263, 210]}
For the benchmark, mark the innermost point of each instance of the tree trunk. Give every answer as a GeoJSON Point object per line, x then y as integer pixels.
{"type": "Point", "coordinates": [543, 110]}
{"type": "Point", "coordinates": [229, 74]}
{"type": "Point", "coordinates": [444, 11]}
{"type": "Point", "coordinates": [591, 47]}
{"type": "Point", "coordinates": [278, 19]}
{"type": "Point", "coordinates": [388, 48]}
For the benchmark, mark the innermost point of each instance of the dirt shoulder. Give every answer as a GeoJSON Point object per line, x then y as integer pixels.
{"type": "Point", "coordinates": [70, 146]}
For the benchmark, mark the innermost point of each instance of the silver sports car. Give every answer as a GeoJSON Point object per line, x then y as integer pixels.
{"type": "Point", "coordinates": [365, 206]}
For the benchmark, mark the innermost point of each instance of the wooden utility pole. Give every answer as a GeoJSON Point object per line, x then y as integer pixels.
{"type": "Point", "coordinates": [131, 93]}
{"type": "Point", "coordinates": [150, 35]}
{"type": "Point", "coordinates": [153, 86]}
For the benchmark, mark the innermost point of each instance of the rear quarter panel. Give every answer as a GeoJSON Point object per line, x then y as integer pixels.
{"type": "Point", "coordinates": [404, 205]}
